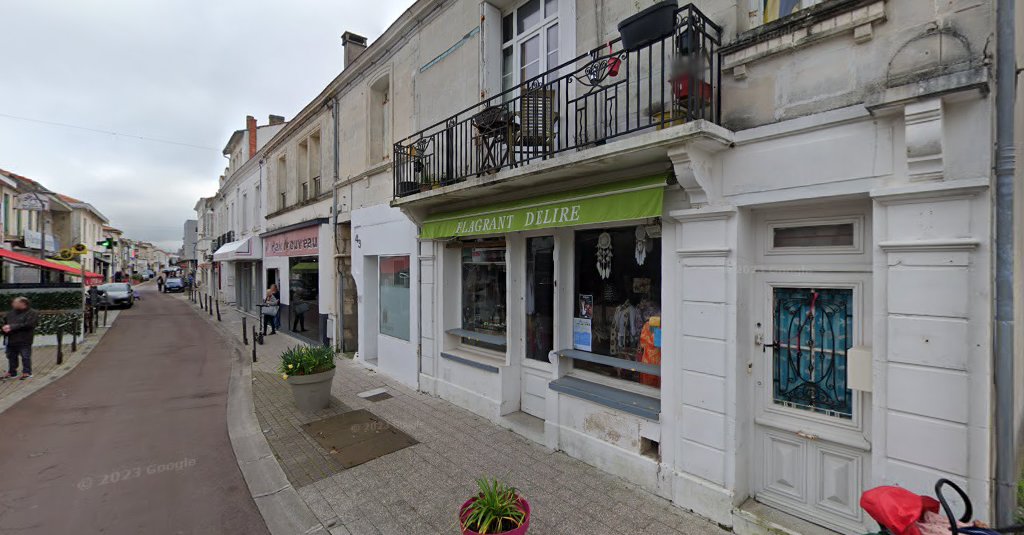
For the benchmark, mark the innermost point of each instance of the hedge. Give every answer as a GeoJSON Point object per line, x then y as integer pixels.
{"type": "Point", "coordinates": [45, 300]}
{"type": "Point", "coordinates": [67, 322]}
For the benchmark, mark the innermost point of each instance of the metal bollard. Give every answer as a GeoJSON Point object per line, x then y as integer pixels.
{"type": "Point", "coordinates": [245, 332]}
{"type": "Point", "coordinates": [216, 304]}
{"type": "Point", "coordinates": [254, 343]}
{"type": "Point", "coordinates": [209, 304]}
{"type": "Point", "coordinates": [60, 346]}
{"type": "Point", "coordinates": [74, 342]}
{"type": "Point", "coordinates": [105, 309]}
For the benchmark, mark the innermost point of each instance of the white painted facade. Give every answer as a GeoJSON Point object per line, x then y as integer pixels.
{"type": "Point", "coordinates": [841, 122]}
{"type": "Point", "coordinates": [382, 232]}
{"type": "Point", "coordinates": [874, 116]}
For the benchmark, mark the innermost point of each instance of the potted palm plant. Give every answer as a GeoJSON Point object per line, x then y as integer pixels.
{"type": "Point", "coordinates": [497, 509]}
{"type": "Point", "coordinates": [309, 370]}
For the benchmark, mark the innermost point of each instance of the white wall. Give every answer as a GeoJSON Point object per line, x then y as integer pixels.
{"type": "Point", "coordinates": [384, 231]}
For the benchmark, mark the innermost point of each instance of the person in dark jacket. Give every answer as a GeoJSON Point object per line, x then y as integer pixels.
{"type": "Point", "coordinates": [20, 328]}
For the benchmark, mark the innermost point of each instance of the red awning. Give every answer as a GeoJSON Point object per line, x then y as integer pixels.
{"type": "Point", "coordinates": [90, 276]}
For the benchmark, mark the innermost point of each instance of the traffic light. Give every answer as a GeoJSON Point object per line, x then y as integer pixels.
{"type": "Point", "coordinates": [108, 243]}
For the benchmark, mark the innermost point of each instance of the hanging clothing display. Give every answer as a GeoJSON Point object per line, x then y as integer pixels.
{"type": "Point", "coordinates": [650, 350]}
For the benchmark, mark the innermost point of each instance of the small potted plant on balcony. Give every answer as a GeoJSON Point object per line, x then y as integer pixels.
{"type": "Point", "coordinates": [497, 509]}
{"type": "Point", "coordinates": [648, 26]}
{"type": "Point", "coordinates": [309, 370]}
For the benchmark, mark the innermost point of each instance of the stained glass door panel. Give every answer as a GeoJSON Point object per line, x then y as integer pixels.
{"type": "Point", "coordinates": [813, 331]}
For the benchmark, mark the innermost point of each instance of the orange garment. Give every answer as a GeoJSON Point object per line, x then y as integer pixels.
{"type": "Point", "coordinates": [649, 354]}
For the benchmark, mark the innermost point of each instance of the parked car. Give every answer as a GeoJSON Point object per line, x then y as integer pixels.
{"type": "Point", "coordinates": [174, 284]}
{"type": "Point", "coordinates": [116, 294]}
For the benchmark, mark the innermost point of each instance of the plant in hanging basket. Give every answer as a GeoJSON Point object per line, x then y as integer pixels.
{"type": "Point", "coordinates": [497, 509]}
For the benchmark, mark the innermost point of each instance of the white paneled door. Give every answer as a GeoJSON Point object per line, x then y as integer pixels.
{"type": "Point", "coordinates": [811, 451]}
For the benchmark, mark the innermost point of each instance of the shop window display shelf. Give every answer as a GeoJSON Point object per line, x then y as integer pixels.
{"type": "Point", "coordinates": [614, 362]}
{"type": "Point", "coordinates": [469, 362]}
{"type": "Point", "coordinates": [491, 339]}
{"type": "Point", "coordinates": [614, 398]}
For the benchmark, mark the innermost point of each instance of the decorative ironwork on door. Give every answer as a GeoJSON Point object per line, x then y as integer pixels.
{"type": "Point", "coordinates": [812, 332]}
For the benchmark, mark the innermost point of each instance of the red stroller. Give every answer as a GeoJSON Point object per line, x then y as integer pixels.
{"type": "Point", "coordinates": [901, 512]}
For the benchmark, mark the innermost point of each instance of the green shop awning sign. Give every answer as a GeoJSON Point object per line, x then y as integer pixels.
{"type": "Point", "coordinates": [621, 201]}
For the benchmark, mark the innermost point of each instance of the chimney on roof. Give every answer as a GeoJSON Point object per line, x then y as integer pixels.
{"type": "Point", "coordinates": [276, 120]}
{"type": "Point", "coordinates": [250, 126]}
{"type": "Point", "coordinates": [354, 46]}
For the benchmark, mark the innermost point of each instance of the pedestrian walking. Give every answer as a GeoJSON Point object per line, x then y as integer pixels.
{"type": "Point", "coordinates": [160, 283]}
{"type": "Point", "coordinates": [20, 328]}
{"type": "Point", "coordinates": [269, 308]}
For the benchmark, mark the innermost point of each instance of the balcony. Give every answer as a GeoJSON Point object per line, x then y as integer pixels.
{"type": "Point", "coordinates": [609, 93]}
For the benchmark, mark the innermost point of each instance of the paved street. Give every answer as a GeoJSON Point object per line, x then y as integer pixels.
{"type": "Point", "coordinates": [417, 490]}
{"type": "Point", "coordinates": [133, 440]}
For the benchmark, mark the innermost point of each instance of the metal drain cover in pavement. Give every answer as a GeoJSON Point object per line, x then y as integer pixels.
{"type": "Point", "coordinates": [356, 437]}
{"type": "Point", "coordinates": [379, 397]}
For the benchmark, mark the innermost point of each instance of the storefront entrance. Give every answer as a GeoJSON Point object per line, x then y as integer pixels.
{"type": "Point", "coordinates": [540, 324]}
{"type": "Point", "coordinates": [304, 297]}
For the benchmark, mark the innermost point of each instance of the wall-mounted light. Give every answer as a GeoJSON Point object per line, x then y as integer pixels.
{"type": "Point", "coordinates": [359, 243]}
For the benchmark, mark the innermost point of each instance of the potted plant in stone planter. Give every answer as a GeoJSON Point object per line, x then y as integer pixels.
{"type": "Point", "coordinates": [309, 370]}
{"type": "Point", "coordinates": [497, 509]}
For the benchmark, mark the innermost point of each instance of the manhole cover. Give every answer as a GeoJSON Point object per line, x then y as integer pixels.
{"type": "Point", "coordinates": [356, 437]}
{"type": "Point", "coordinates": [379, 397]}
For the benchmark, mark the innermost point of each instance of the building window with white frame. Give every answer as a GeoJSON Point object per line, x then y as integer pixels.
{"type": "Point", "coordinates": [617, 308]}
{"type": "Point", "coordinates": [530, 43]}
{"type": "Point", "coordinates": [484, 293]}
{"type": "Point", "coordinates": [380, 144]}
{"type": "Point", "coordinates": [395, 288]}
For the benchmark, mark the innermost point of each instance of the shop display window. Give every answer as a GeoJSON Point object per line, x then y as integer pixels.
{"type": "Point", "coordinates": [484, 293]}
{"type": "Point", "coordinates": [394, 296]}
{"type": "Point", "coordinates": [617, 310]}
{"type": "Point", "coordinates": [304, 301]}
{"type": "Point", "coordinates": [540, 297]}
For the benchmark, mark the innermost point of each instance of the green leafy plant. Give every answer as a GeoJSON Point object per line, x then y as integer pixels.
{"type": "Point", "coordinates": [306, 360]}
{"type": "Point", "coordinates": [1020, 500]}
{"type": "Point", "coordinates": [495, 510]}
{"type": "Point", "coordinates": [45, 300]}
{"type": "Point", "coordinates": [66, 323]}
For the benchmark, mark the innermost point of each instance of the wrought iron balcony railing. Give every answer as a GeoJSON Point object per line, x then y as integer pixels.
{"type": "Point", "coordinates": [607, 93]}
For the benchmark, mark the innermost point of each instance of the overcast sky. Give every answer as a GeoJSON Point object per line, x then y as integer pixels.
{"type": "Point", "coordinates": [186, 71]}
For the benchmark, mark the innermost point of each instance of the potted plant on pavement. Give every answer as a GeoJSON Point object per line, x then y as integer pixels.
{"type": "Point", "coordinates": [497, 509]}
{"type": "Point", "coordinates": [309, 370]}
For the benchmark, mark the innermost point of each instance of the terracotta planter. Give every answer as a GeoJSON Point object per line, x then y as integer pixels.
{"type": "Point", "coordinates": [312, 392]}
{"type": "Point", "coordinates": [521, 530]}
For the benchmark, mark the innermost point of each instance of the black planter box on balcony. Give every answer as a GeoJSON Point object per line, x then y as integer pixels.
{"type": "Point", "coordinates": [407, 188]}
{"type": "Point", "coordinates": [648, 26]}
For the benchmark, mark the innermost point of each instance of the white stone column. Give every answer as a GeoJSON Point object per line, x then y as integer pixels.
{"type": "Point", "coordinates": [932, 375]}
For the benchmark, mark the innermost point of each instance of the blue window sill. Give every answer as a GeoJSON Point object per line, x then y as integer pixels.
{"type": "Point", "coordinates": [469, 362]}
{"type": "Point", "coordinates": [613, 398]}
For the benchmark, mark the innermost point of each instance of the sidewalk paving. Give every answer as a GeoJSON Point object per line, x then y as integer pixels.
{"type": "Point", "coordinates": [44, 365]}
{"type": "Point", "coordinates": [418, 490]}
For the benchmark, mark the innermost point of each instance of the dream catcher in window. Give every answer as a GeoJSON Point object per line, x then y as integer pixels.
{"type": "Point", "coordinates": [604, 255]}
{"type": "Point", "coordinates": [640, 252]}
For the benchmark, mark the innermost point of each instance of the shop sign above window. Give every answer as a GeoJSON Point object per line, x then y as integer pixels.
{"type": "Point", "coordinates": [622, 201]}
{"type": "Point", "coordinates": [299, 242]}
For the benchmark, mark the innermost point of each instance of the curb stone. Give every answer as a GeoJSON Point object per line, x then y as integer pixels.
{"type": "Point", "coordinates": [283, 510]}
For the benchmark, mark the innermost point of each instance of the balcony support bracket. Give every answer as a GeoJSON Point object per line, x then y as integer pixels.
{"type": "Point", "coordinates": [694, 170]}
